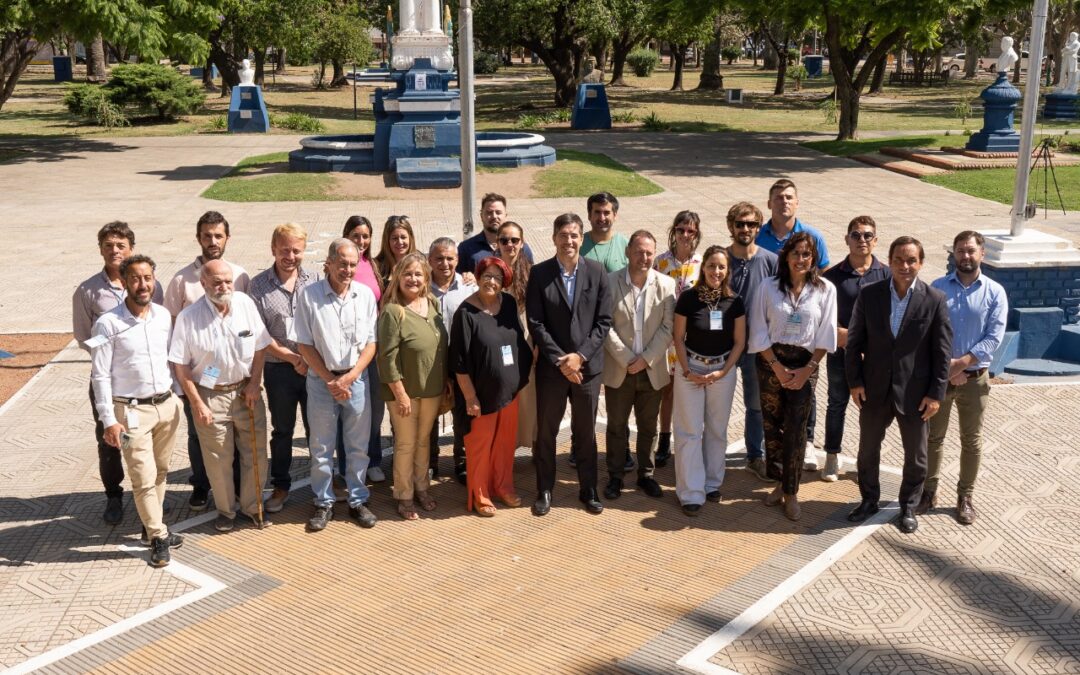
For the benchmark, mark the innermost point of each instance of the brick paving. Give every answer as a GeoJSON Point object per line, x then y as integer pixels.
{"type": "Point", "coordinates": [634, 589]}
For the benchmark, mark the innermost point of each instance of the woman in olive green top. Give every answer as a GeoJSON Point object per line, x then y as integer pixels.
{"type": "Point", "coordinates": [413, 369]}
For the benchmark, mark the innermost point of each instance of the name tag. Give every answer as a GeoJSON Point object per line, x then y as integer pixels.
{"type": "Point", "coordinates": [95, 341]}
{"type": "Point", "coordinates": [131, 418]}
{"type": "Point", "coordinates": [793, 325]}
{"type": "Point", "coordinates": [210, 376]}
{"type": "Point", "coordinates": [716, 320]}
{"type": "Point", "coordinates": [508, 355]}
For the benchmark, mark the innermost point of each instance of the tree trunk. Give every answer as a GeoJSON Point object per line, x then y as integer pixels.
{"type": "Point", "coordinates": [619, 52]}
{"type": "Point", "coordinates": [756, 42]}
{"type": "Point", "coordinates": [208, 76]}
{"type": "Point", "coordinates": [16, 51]}
{"type": "Point", "coordinates": [899, 55]}
{"type": "Point", "coordinates": [95, 60]}
{"type": "Point", "coordinates": [878, 78]}
{"type": "Point", "coordinates": [769, 60]}
{"type": "Point", "coordinates": [282, 53]}
{"type": "Point", "coordinates": [338, 78]}
{"type": "Point", "coordinates": [678, 59]}
{"type": "Point", "coordinates": [710, 68]}
{"type": "Point", "coordinates": [848, 101]}
{"type": "Point", "coordinates": [260, 67]}
{"type": "Point", "coordinates": [843, 63]}
{"type": "Point", "coordinates": [971, 62]}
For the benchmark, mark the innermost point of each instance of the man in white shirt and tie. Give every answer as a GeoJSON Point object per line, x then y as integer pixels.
{"type": "Point", "coordinates": [132, 384]}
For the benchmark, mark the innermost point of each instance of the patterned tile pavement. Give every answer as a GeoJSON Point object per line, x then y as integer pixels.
{"type": "Point", "coordinates": [635, 589]}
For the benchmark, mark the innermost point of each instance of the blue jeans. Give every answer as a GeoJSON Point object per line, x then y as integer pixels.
{"type": "Point", "coordinates": [378, 409]}
{"type": "Point", "coordinates": [285, 390]}
{"type": "Point", "coordinates": [839, 395]}
{"type": "Point", "coordinates": [323, 415]}
{"type": "Point", "coordinates": [754, 431]}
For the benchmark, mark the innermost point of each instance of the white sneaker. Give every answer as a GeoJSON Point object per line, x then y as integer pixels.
{"type": "Point", "coordinates": [810, 459]}
{"type": "Point", "coordinates": [376, 475]}
{"type": "Point", "coordinates": [832, 466]}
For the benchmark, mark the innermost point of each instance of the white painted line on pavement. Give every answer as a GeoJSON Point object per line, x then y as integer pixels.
{"type": "Point", "coordinates": [697, 659]}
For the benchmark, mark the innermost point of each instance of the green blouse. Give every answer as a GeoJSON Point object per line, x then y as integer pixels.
{"type": "Point", "coordinates": [412, 350]}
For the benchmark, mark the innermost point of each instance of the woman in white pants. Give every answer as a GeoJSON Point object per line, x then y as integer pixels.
{"type": "Point", "coordinates": [709, 335]}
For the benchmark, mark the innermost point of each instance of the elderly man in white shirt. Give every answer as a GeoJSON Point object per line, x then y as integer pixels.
{"type": "Point", "coordinates": [335, 331]}
{"type": "Point", "coordinates": [218, 348]}
{"type": "Point", "coordinates": [132, 386]}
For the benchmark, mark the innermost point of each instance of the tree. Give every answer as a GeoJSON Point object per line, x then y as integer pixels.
{"type": "Point", "coordinates": [681, 27]}
{"type": "Point", "coordinates": [632, 20]}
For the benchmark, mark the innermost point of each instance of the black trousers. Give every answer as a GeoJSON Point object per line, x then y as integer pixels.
{"type": "Point", "coordinates": [285, 390]}
{"type": "Point", "coordinates": [110, 463]}
{"type": "Point", "coordinates": [874, 420]}
{"type": "Point", "coordinates": [552, 392]}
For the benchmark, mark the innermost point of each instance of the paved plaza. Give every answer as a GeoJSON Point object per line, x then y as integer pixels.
{"type": "Point", "coordinates": [641, 588]}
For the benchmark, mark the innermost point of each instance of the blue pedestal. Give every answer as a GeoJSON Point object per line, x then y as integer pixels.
{"type": "Point", "coordinates": [1061, 107]}
{"type": "Point", "coordinates": [999, 105]}
{"type": "Point", "coordinates": [247, 111]}
{"type": "Point", "coordinates": [431, 172]}
{"type": "Point", "coordinates": [591, 109]}
{"type": "Point", "coordinates": [61, 68]}
{"type": "Point", "coordinates": [814, 65]}
{"type": "Point", "coordinates": [197, 71]}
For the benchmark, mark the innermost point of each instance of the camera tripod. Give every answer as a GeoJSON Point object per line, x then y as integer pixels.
{"type": "Point", "coordinates": [1044, 156]}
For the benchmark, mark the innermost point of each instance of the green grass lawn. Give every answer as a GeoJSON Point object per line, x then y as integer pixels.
{"type": "Point", "coordinates": [570, 176]}
{"type": "Point", "coordinates": [998, 184]}
{"type": "Point", "coordinates": [867, 146]}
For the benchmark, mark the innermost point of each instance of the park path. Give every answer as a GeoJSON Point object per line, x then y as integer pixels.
{"type": "Point", "coordinates": [639, 588]}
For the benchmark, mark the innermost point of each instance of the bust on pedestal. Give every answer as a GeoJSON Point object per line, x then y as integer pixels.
{"type": "Point", "coordinates": [247, 110]}
{"type": "Point", "coordinates": [999, 106]}
{"type": "Point", "coordinates": [1062, 103]}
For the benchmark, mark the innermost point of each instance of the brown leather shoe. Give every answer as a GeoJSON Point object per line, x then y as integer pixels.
{"type": "Point", "coordinates": [965, 510]}
{"type": "Point", "coordinates": [791, 507]}
{"type": "Point", "coordinates": [774, 497]}
{"type": "Point", "coordinates": [926, 502]}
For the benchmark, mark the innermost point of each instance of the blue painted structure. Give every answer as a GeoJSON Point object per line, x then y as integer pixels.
{"type": "Point", "coordinates": [61, 68]}
{"type": "Point", "coordinates": [247, 110]}
{"type": "Point", "coordinates": [814, 65]}
{"type": "Point", "coordinates": [6, 355]}
{"type": "Point", "coordinates": [591, 110]}
{"type": "Point", "coordinates": [999, 106]}
{"type": "Point", "coordinates": [197, 71]}
{"type": "Point", "coordinates": [1061, 107]}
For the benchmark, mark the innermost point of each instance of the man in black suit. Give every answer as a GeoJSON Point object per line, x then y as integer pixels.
{"type": "Point", "coordinates": [898, 350]}
{"type": "Point", "coordinates": [567, 305]}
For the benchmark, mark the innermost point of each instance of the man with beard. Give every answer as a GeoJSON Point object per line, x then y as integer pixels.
{"type": "Point", "coordinates": [218, 349]}
{"type": "Point", "coordinates": [212, 233]}
{"type": "Point", "coordinates": [602, 243]}
{"type": "Point", "coordinates": [134, 400]}
{"type": "Point", "coordinates": [485, 242]}
{"type": "Point", "coordinates": [978, 308]}
{"type": "Point", "coordinates": [99, 294]}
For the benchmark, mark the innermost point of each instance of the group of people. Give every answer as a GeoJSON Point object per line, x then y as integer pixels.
{"type": "Point", "coordinates": [479, 333]}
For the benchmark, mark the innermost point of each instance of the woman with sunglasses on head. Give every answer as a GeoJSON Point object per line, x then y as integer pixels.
{"type": "Point", "coordinates": [398, 241]}
{"type": "Point", "coordinates": [709, 334]}
{"type": "Point", "coordinates": [512, 251]}
{"type": "Point", "coordinates": [792, 328]}
{"type": "Point", "coordinates": [682, 263]}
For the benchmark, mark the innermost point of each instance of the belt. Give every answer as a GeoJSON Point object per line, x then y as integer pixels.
{"type": "Point", "coordinates": [231, 387]}
{"type": "Point", "coordinates": [707, 360]}
{"type": "Point", "coordinates": [973, 374]}
{"type": "Point", "coordinates": [339, 373]}
{"type": "Point", "coordinates": [156, 399]}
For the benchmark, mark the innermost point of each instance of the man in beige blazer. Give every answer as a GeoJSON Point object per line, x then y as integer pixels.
{"type": "Point", "coordinates": [635, 363]}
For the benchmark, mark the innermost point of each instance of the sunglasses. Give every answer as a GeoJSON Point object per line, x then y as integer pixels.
{"type": "Point", "coordinates": [506, 241]}
{"type": "Point", "coordinates": [862, 236]}
{"type": "Point", "coordinates": [746, 224]}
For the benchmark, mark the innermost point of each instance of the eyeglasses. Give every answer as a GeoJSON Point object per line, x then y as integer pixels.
{"type": "Point", "coordinates": [746, 224]}
{"type": "Point", "coordinates": [506, 241]}
{"type": "Point", "coordinates": [862, 236]}
{"type": "Point", "coordinates": [492, 276]}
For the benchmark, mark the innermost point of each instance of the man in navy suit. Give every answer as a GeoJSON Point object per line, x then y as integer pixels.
{"type": "Point", "coordinates": [898, 352]}
{"type": "Point", "coordinates": [567, 306]}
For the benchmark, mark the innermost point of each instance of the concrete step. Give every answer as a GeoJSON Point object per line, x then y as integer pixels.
{"type": "Point", "coordinates": [898, 165]}
{"type": "Point", "coordinates": [1043, 367]}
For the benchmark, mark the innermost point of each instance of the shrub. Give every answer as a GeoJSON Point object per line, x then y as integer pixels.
{"type": "Point", "coordinates": [798, 74]}
{"type": "Point", "coordinates": [297, 122]}
{"type": "Point", "coordinates": [962, 109]}
{"type": "Point", "coordinates": [92, 102]}
{"type": "Point", "coordinates": [150, 87]}
{"type": "Point", "coordinates": [625, 117]}
{"type": "Point", "coordinates": [218, 123]}
{"type": "Point", "coordinates": [730, 54]}
{"type": "Point", "coordinates": [643, 61]}
{"type": "Point", "coordinates": [792, 56]}
{"type": "Point", "coordinates": [653, 122]}
{"type": "Point", "coordinates": [560, 115]}
{"type": "Point", "coordinates": [529, 121]}
{"type": "Point", "coordinates": [485, 63]}
{"type": "Point", "coordinates": [828, 109]}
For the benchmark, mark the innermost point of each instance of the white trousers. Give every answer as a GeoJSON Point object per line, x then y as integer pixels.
{"type": "Point", "coordinates": [700, 416]}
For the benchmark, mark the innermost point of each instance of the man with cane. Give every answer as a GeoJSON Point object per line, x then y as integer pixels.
{"type": "Point", "coordinates": [218, 348]}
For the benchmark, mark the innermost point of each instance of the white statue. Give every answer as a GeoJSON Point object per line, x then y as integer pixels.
{"type": "Point", "coordinates": [420, 16]}
{"type": "Point", "coordinates": [420, 35]}
{"type": "Point", "coordinates": [1008, 57]}
{"type": "Point", "coordinates": [1069, 81]}
{"type": "Point", "coordinates": [247, 75]}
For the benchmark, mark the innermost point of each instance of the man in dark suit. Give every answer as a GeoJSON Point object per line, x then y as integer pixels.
{"type": "Point", "coordinates": [898, 350]}
{"type": "Point", "coordinates": [567, 305]}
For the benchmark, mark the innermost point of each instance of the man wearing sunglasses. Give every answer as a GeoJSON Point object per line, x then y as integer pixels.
{"type": "Point", "coordinates": [850, 275]}
{"type": "Point", "coordinates": [783, 203]}
{"type": "Point", "coordinates": [485, 243]}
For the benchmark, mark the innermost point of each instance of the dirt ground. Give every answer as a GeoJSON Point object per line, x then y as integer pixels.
{"type": "Point", "coordinates": [511, 184]}
{"type": "Point", "coordinates": [31, 352]}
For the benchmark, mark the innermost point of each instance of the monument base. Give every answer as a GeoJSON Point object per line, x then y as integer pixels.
{"type": "Point", "coordinates": [1061, 106]}
{"type": "Point", "coordinates": [247, 110]}
{"type": "Point", "coordinates": [999, 104]}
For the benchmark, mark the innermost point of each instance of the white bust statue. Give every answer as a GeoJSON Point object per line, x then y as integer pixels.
{"type": "Point", "coordinates": [1008, 57]}
{"type": "Point", "coordinates": [247, 75]}
{"type": "Point", "coordinates": [1070, 78]}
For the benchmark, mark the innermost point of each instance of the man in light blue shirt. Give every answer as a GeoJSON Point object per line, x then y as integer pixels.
{"type": "Point", "coordinates": [978, 308]}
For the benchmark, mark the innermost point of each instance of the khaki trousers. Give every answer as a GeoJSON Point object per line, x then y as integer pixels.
{"type": "Point", "coordinates": [146, 451]}
{"type": "Point", "coordinates": [971, 399]}
{"type": "Point", "coordinates": [411, 446]}
{"type": "Point", "coordinates": [233, 424]}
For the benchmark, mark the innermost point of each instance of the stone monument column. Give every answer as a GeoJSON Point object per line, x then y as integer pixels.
{"type": "Point", "coordinates": [432, 18]}
{"type": "Point", "coordinates": [421, 36]}
{"type": "Point", "coordinates": [407, 17]}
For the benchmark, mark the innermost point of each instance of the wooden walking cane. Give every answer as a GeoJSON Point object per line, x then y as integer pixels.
{"type": "Point", "coordinates": [255, 463]}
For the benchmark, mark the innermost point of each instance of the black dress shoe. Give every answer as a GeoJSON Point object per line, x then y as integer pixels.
{"type": "Point", "coordinates": [907, 521]}
{"type": "Point", "coordinates": [173, 540]}
{"type": "Point", "coordinates": [592, 503]}
{"type": "Point", "coordinates": [459, 474]}
{"type": "Point", "coordinates": [363, 515]}
{"type": "Point", "coordinates": [650, 487]}
{"type": "Point", "coordinates": [663, 449]}
{"type": "Point", "coordinates": [323, 515]}
{"type": "Point", "coordinates": [691, 509]}
{"type": "Point", "coordinates": [714, 496]}
{"type": "Point", "coordinates": [613, 489]}
{"type": "Point", "coordinates": [199, 499]}
{"type": "Point", "coordinates": [573, 461]}
{"type": "Point", "coordinates": [864, 510]}
{"type": "Point", "coordinates": [114, 510]}
{"type": "Point", "coordinates": [542, 504]}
